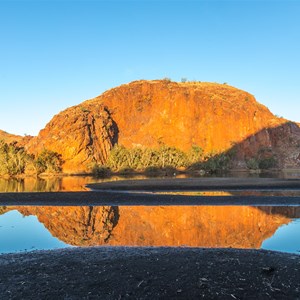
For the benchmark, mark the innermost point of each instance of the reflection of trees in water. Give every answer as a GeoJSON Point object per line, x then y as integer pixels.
{"type": "Point", "coordinates": [11, 185]}
{"type": "Point", "coordinates": [40, 184]}
{"type": "Point", "coordinates": [30, 184]}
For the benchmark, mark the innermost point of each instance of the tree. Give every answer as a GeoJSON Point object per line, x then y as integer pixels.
{"type": "Point", "coordinates": [13, 159]}
{"type": "Point", "coordinates": [48, 161]}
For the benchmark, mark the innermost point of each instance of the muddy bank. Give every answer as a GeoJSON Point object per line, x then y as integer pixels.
{"type": "Point", "coordinates": [150, 273]}
{"type": "Point", "coordinates": [198, 184]}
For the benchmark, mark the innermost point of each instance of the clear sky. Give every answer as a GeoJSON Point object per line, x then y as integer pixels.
{"type": "Point", "coordinates": [55, 54]}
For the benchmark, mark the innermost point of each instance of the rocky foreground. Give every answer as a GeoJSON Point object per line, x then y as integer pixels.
{"type": "Point", "coordinates": [150, 273]}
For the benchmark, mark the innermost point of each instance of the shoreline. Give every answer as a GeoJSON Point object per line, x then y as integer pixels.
{"type": "Point", "coordinates": [150, 273]}
{"type": "Point", "coordinates": [197, 184]}
{"type": "Point", "coordinates": [146, 192]}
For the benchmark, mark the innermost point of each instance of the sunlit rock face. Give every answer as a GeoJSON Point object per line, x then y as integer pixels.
{"type": "Point", "coordinates": [183, 114]}
{"type": "Point", "coordinates": [206, 226]}
{"type": "Point", "coordinates": [82, 134]}
{"type": "Point", "coordinates": [148, 113]}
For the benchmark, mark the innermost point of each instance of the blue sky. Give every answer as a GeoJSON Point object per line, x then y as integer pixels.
{"type": "Point", "coordinates": [55, 54]}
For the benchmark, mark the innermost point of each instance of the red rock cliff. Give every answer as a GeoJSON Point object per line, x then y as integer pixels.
{"type": "Point", "coordinates": [82, 134]}
{"type": "Point", "coordinates": [146, 113]}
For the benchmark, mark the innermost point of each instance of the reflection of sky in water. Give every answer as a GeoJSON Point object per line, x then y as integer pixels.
{"type": "Point", "coordinates": [19, 233]}
{"type": "Point", "coordinates": [285, 239]}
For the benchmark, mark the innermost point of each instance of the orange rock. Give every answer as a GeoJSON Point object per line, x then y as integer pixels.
{"type": "Point", "coordinates": [147, 113]}
{"type": "Point", "coordinates": [82, 134]}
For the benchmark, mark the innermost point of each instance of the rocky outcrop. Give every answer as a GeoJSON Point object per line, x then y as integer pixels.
{"type": "Point", "coordinates": [149, 113]}
{"type": "Point", "coordinates": [281, 142]}
{"type": "Point", "coordinates": [206, 226]}
{"type": "Point", "coordinates": [213, 116]}
{"type": "Point", "coordinates": [83, 135]}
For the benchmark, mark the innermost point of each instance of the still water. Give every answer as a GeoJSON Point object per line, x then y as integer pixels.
{"type": "Point", "coordinates": [49, 184]}
{"type": "Point", "coordinates": [25, 228]}
{"type": "Point", "coordinates": [78, 183]}
{"type": "Point", "coordinates": [32, 228]}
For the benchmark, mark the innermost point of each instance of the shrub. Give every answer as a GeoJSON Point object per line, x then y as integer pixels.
{"type": "Point", "coordinates": [252, 164]}
{"type": "Point", "coordinates": [126, 171]}
{"type": "Point", "coordinates": [142, 158]}
{"type": "Point", "coordinates": [195, 154]}
{"type": "Point", "coordinates": [153, 171]}
{"type": "Point", "coordinates": [101, 171]}
{"type": "Point", "coordinates": [48, 161]}
{"type": "Point", "coordinates": [267, 163]}
{"type": "Point", "coordinates": [13, 159]}
{"type": "Point", "coordinates": [218, 162]}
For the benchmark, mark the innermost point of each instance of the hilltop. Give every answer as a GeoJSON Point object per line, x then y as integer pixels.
{"type": "Point", "coordinates": [8, 138]}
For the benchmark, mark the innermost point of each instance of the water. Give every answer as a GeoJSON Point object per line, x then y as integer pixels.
{"type": "Point", "coordinates": [35, 228]}
{"type": "Point", "coordinates": [25, 233]}
{"type": "Point", "coordinates": [78, 183]}
{"type": "Point", "coordinates": [285, 239]}
{"type": "Point", "coordinates": [49, 184]}
{"type": "Point", "coordinates": [32, 228]}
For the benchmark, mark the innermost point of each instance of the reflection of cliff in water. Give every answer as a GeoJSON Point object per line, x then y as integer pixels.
{"type": "Point", "coordinates": [81, 226]}
{"type": "Point", "coordinates": [204, 226]}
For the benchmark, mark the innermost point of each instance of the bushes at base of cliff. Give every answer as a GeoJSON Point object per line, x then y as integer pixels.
{"type": "Point", "coordinates": [48, 162]}
{"type": "Point", "coordinates": [143, 158]}
{"type": "Point", "coordinates": [15, 161]}
{"type": "Point", "coordinates": [262, 163]}
{"type": "Point", "coordinates": [101, 171]}
{"type": "Point", "coordinates": [164, 160]}
{"type": "Point", "coordinates": [265, 159]}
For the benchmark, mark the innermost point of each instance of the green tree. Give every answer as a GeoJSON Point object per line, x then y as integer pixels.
{"type": "Point", "coordinates": [13, 159]}
{"type": "Point", "coordinates": [48, 161]}
{"type": "Point", "coordinates": [195, 154]}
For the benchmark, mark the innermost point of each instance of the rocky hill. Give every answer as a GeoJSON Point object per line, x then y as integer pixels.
{"type": "Point", "coordinates": [215, 117]}
{"type": "Point", "coordinates": [11, 138]}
